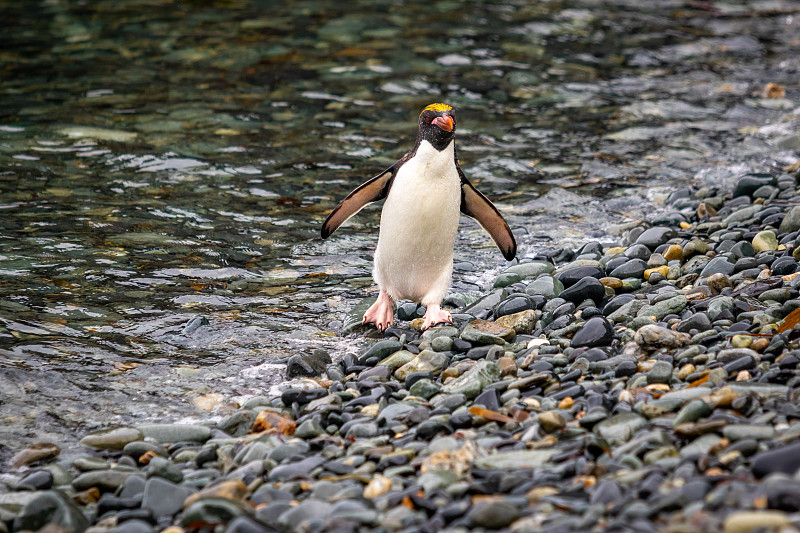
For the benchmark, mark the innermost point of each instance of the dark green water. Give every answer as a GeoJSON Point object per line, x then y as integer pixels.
{"type": "Point", "coordinates": [165, 167]}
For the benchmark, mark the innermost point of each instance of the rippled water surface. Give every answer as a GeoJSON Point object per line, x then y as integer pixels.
{"type": "Point", "coordinates": [165, 167]}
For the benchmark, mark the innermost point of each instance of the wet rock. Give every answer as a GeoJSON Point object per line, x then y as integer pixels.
{"type": "Point", "coordinates": [211, 512]}
{"type": "Point", "coordinates": [660, 373]}
{"type": "Point", "coordinates": [747, 521]}
{"type": "Point", "coordinates": [634, 268]}
{"type": "Point", "coordinates": [51, 507]}
{"type": "Point", "coordinates": [112, 439]}
{"type": "Point", "coordinates": [426, 361]}
{"type": "Point", "coordinates": [785, 459]}
{"type": "Point", "coordinates": [586, 288]}
{"type": "Point", "coordinates": [656, 236]}
{"type": "Point", "coordinates": [652, 336]}
{"type": "Point", "coordinates": [485, 332]}
{"type": "Point", "coordinates": [595, 332]}
{"type": "Point", "coordinates": [307, 365]}
{"type": "Point", "coordinates": [169, 433]}
{"type": "Point", "coordinates": [522, 323]}
{"type": "Point", "coordinates": [791, 222]}
{"type": "Point", "coordinates": [747, 185]}
{"type": "Point", "coordinates": [36, 480]}
{"type": "Point", "coordinates": [765, 241]}
{"type": "Point", "coordinates": [164, 498]}
{"type": "Point", "coordinates": [531, 270]}
{"type": "Point", "coordinates": [474, 380]}
{"type": "Point", "coordinates": [492, 514]}
{"type": "Point", "coordinates": [41, 451]}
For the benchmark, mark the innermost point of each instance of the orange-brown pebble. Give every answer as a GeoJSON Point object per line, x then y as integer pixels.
{"type": "Point", "coordinates": [774, 90]}
{"type": "Point", "coordinates": [759, 344]}
{"type": "Point", "coordinates": [450, 372]}
{"type": "Point", "coordinates": [613, 283]}
{"type": "Point", "coordinates": [274, 422]}
{"type": "Point", "coordinates": [230, 489]}
{"type": "Point", "coordinates": [661, 270]}
{"type": "Point", "coordinates": [566, 403]}
{"type": "Point", "coordinates": [507, 366]}
{"type": "Point", "coordinates": [675, 251]}
{"type": "Point", "coordinates": [145, 458]}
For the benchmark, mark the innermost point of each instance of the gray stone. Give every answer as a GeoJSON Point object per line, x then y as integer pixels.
{"type": "Point", "coordinates": [164, 498]}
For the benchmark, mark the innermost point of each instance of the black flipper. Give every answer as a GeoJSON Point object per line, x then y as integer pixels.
{"type": "Point", "coordinates": [373, 190]}
{"type": "Point", "coordinates": [476, 205]}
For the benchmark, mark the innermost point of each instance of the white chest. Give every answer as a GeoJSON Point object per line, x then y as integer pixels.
{"type": "Point", "coordinates": [429, 179]}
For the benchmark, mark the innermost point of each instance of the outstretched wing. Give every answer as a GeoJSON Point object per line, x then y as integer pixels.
{"type": "Point", "coordinates": [373, 190]}
{"type": "Point", "coordinates": [476, 205]}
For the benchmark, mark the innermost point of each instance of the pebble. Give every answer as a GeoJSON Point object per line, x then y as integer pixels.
{"type": "Point", "coordinates": [595, 332]}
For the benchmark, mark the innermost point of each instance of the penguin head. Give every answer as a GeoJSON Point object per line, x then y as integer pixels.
{"type": "Point", "coordinates": [437, 125]}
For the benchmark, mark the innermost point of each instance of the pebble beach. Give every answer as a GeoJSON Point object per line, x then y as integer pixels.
{"type": "Point", "coordinates": [646, 385]}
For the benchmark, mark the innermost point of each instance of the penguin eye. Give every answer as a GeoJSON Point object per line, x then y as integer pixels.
{"type": "Point", "coordinates": [428, 119]}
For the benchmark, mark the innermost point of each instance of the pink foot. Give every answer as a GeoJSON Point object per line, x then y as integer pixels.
{"type": "Point", "coordinates": [381, 313]}
{"type": "Point", "coordinates": [435, 315]}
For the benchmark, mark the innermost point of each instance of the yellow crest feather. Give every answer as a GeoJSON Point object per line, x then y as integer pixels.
{"type": "Point", "coordinates": [437, 108]}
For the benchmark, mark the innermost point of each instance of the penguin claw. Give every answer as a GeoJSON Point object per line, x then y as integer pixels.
{"type": "Point", "coordinates": [435, 315]}
{"type": "Point", "coordinates": [381, 313]}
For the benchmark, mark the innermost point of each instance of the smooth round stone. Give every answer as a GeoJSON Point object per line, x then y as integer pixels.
{"type": "Point", "coordinates": [492, 514]}
{"type": "Point", "coordinates": [698, 321]}
{"type": "Point", "coordinates": [656, 236]}
{"type": "Point", "coordinates": [408, 311]}
{"type": "Point", "coordinates": [514, 304]}
{"type": "Point", "coordinates": [398, 359]}
{"type": "Point", "coordinates": [718, 265]}
{"type": "Point", "coordinates": [765, 241]}
{"type": "Point", "coordinates": [615, 303]}
{"type": "Point", "coordinates": [784, 266]}
{"type": "Point", "coordinates": [660, 373]}
{"type": "Point", "coordinates": [36, 480]}
{"type": "Point", "coordinates": [571, 276]}
{"type": "Point", "coordinates": [41, 451]}
{"type": "Point", "coordinates": [791, 222]}
{"type": "Point", "coordinates": [212, 511]}
{"type": "Point", "coordinates": [140, 447]}
{"type": "Point", "coordinates": [595, 332]}
{"type": "Point", "coordinates": [164, 498]}
{"type": "Point", "coordinates": [742, 249]}
{"type": "Point", "coordinates": [107, 480]}
{"type": "Point", "coordinates": [164, 468]}
{"type": "Point", "coordinates": [626, 368]}
{"type": "Point", "coordinates": [637, 251]}
{"type": "Point", "coordinates": [631, 269]}
{"type": "Point", "coordinates": [505, 279]}
{"type": "Point", "coordinates": [546, 286]}
{"type": "Point", "coordinates": [305, 365]}
{"type": "Point", "coordinates": [551, 421]}
{"type": "Point", "coordinates": [50, 507]}
{"type": "Point", "coordinates": [363, 430]}
{"type": "Point", "coordinates": [442, 344]}
{"type": "Point", "coordinates": [747, 521]}
{"type": "Point", "coordinates": [381, 349]}
{"type": "Point", "coordinates": [587, 288]}
{"type": "Point", "coordinates": [309, 429]}
{"type": "Point", "coordinates": [747, 185]}
{"type": "Point", "coordinates": [112, 439]}
{"type": "Point", "coordinates": [785, 459]}
{"type": "Point", "coordinates": [424, 388]}
{"type": "Point", "coordinates": [531, 270]}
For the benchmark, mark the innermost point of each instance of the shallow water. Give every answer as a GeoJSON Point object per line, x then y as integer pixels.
{"type": "Point", "coordinates": [165, 168]}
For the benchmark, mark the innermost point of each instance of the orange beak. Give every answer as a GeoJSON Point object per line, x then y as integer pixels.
{"type": "Point", "coordinates": [445, 122]}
